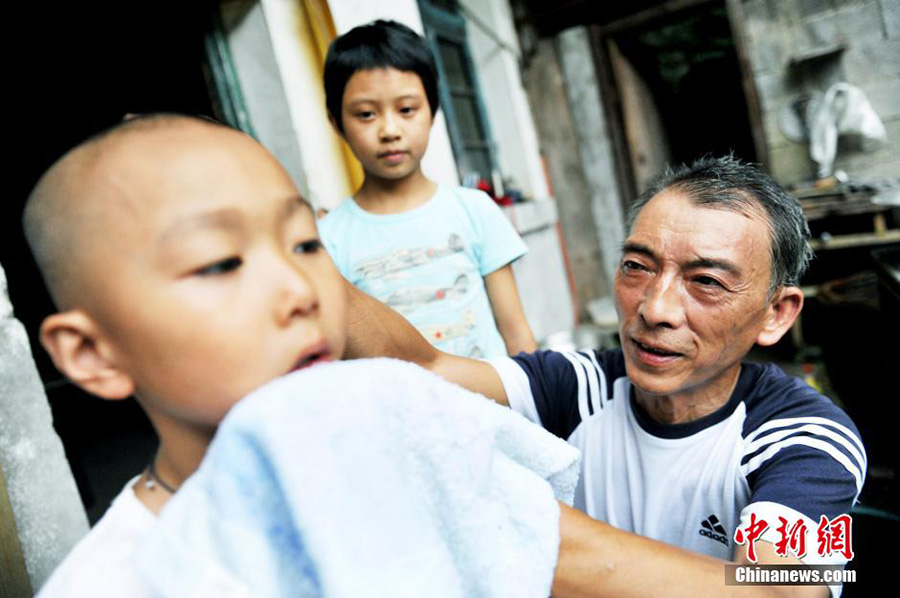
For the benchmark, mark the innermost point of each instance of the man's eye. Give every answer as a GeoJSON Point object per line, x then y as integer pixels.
{"type": "Point", "coordinates": [629, 265]}
{"type": "Point", "coordinates": [310, 246]}
{"type": "Point", "coordinates": [708, 281]}
{"type": "Point", "coordinates": [221, 267]}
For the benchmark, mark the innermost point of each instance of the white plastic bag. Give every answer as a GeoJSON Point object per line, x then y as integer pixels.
{"type": "Point", "coordinates": [844, 111]}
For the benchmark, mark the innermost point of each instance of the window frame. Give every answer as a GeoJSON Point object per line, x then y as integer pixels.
{"type": "Point", "coordinates": [450, 27]}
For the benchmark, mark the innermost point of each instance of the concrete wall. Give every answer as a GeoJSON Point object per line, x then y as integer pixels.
{"type": "Point", "coordinates": [778, 31]}
{"type": "Point", "coordinates": [49, 517]}
{"type": "Point", "coordinates": [574, 135]}
{"type": "Point", "coordinates": [545, 84]}
{"type": "Point", "coordinates": [594, 144]}
{"type": "Point", "coordinates": [257, 69]}
{"type": "Point", "coordinates": [541, 273]}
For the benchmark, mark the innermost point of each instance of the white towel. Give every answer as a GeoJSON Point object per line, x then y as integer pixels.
{"type": "Point", "coordinates": [367, 478]}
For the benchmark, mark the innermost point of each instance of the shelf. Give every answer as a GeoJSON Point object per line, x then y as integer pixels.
{"type": "Point", "coordinates": [816, 54]}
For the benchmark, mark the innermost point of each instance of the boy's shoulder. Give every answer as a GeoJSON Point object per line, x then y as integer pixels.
{"type": "Point", "coordinates": [466, 195]}
{"type": "Point", "coordinates": [101, 563]}
{"type": "Point", "coordinates": [446, 197]}
{"type": "Point", "coordinates": [478, 206]}
{"type": "Point", "coordinates": [344, 209]}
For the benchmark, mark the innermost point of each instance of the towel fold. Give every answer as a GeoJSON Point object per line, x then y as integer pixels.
{"type": "Point", "coordinates": [366, 478]}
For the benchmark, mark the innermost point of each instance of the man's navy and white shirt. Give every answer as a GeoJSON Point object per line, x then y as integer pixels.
{"type": "Point", "coordinates": [777, 449]}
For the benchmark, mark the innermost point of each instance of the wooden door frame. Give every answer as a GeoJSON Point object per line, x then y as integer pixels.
{"type": "Point", "coordinates": [611, 97]}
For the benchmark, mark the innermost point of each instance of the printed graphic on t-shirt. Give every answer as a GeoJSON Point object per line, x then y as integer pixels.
{"type": "Point", "coordinates": [406, 258]}
{"type": "Point", "coordinates": [405, 300]}
{"type": "Point", "coordinates": [444, 332]}
{"type": "Point", "coordinates": [429, 263]}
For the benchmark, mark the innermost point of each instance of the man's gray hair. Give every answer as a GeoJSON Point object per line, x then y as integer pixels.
{"type": "Point", "coordinates": [733, 185]}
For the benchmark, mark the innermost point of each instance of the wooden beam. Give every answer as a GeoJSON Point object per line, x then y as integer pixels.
{"type": "Point", "coordinates": [649, 14]}
{"type": "Point", "coordinates": [856, 240]}
{"type": "Point", "coordinates": [611, 100]}
{"type": "Point", "coordinates": [754, 106]}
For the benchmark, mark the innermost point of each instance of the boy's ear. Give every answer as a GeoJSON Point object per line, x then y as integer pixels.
{"type": "Point", "coordinates": [335, 125]}
{"type": "Point", "coordinates": [78, 351]}
{"type": "Point", "coordinates": [783, 310]}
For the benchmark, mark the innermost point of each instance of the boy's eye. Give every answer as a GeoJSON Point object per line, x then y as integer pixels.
{"type": "Point", "coordinates": [365, 115]}
{"type": "Point", "coordinates": [221, 267]}
{"type": "Point", "coordinates": [310, 246]}
{"type": "Point", "coordinates": [408, 110]}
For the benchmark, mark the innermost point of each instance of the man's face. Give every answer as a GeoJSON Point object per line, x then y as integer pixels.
{"type": "Point", "coordinates": [387, 121]}
{"type": "Point", "coordinates": [215, 281]}
{"type": "Point", "coordinates": [691, 294]}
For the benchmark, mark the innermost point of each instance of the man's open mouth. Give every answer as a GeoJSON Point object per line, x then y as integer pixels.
{"type": "Point", "coordinates": [653, 350]}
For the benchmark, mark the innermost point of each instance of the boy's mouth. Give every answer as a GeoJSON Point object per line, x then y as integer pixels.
{"type": "Point", "coordinates": [314, 355]}
{"type": "Point", "coordinates": [393, 156]}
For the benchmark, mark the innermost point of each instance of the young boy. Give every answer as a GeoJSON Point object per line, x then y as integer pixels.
{"type": "Point", "coordinates": [187, 272]}
{"type": "Point", "coordinates": [439, 255]}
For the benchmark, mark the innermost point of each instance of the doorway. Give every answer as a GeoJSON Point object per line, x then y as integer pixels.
{"type": "Point", "coordinates": [676, 88]}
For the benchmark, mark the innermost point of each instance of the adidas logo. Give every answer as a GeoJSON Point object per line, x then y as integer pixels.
{"type": "Point", "coordinates": [711, 528]}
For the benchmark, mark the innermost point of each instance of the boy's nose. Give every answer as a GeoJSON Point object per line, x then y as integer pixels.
{"type": "Point", "coordinates": [297, 296]}
{"type": "Point", "coordinates": [389, 129]}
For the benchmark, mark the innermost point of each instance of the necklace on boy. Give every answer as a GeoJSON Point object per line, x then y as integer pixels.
{"type": "Point", "coordinates": [153, 479]}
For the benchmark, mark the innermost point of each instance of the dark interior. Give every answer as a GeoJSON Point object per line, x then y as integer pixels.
{"type": "Point", "coordinates": [81, 70]}
{"type": "Point", "coordinates": [690, 64]}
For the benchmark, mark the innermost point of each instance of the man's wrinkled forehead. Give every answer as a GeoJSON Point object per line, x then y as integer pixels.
{"type": "Point", "coordinates": [736, 201]}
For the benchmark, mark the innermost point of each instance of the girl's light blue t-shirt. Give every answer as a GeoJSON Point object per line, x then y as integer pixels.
{"type": "Point", "coordinates": [429, 263]}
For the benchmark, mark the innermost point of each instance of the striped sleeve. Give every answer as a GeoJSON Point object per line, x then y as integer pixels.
{"type": "Point", "coordinates": [556, 389]}
{"type": "Point", "coordinates": [807, 456]}
{"type": "Point", "coordinates": [803, 460]}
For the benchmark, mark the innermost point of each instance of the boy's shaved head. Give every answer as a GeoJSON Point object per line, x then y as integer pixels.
{"type": "Point", "coordinates": [70, 208]}
{"type": "Point", "coordinates": [167, 238]}
{"type": "Point", "coordinates": [187, 271]}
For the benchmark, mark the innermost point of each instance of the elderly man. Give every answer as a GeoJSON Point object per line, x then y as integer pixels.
{"type": "Point", "coordinates": [682, 441]}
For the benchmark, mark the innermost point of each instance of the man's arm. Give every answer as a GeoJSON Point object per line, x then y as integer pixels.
{"type": "Point", "coordinates": [376, 330]}
{"type": "Point", "coordinates": [597, 560]}
{"type": "Point", "coordinates": [508, 313]}
{"type": "Point", "coordinates": [766, 555]}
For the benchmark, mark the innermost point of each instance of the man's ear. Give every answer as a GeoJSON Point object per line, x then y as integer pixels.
{"type": "Point", "coordinates": [782, 311]}
{"type": "Point", "coordinates": [79, 351]}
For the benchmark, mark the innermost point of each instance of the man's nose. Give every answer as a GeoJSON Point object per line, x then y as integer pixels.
{"type": "Point", "coordinates": [296, 295]}
{"type": "Point", "coordinates": [662, 304]}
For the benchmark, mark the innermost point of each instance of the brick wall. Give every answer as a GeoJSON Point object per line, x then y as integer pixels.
{"type": "Point", "coordinates": [779, 31]}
